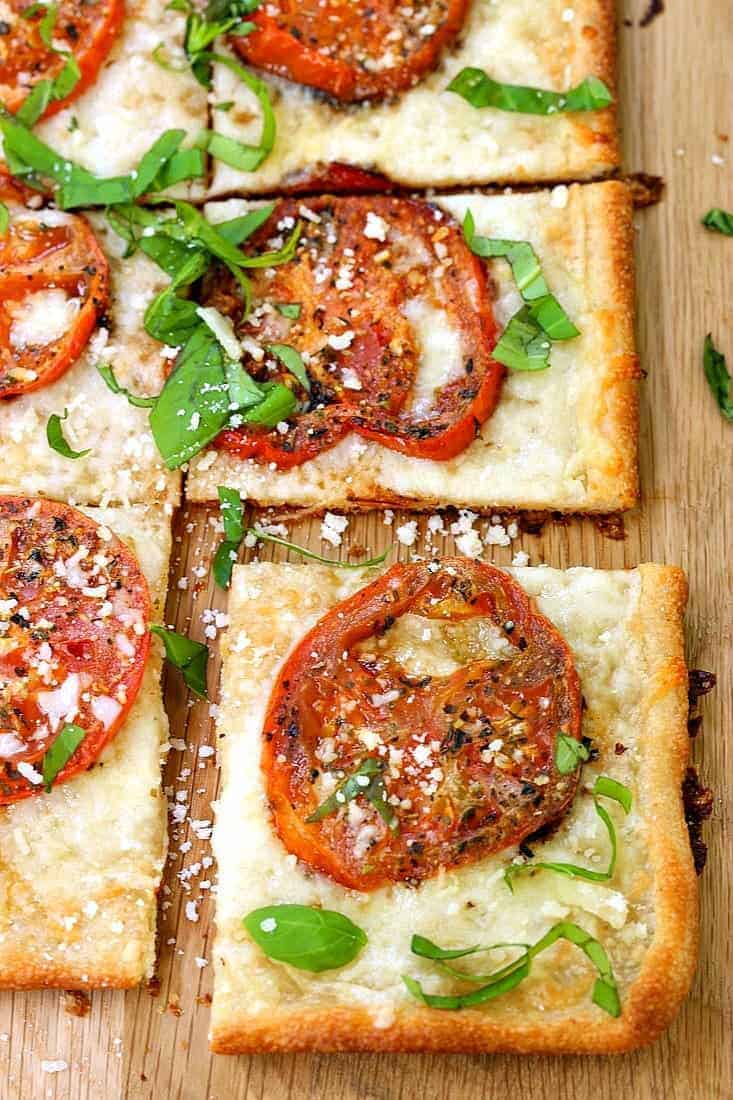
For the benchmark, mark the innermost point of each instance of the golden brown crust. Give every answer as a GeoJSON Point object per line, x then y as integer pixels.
{"type": "Point", "coordinates": [668, 964]}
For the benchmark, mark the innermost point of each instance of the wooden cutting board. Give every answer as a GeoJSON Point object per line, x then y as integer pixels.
{"type": "Point", "coordinates": [677, 112]}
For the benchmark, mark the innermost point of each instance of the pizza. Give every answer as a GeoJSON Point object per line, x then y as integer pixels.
{"type": "Point", "coordinates": [83, 727]}
{"type": "Point", "coordinates": [434, 741]}
{"type": "Point", "coordinates": [71, 304]}
{"type": "Point", "coordinates": [361, 95]}
{"type": "Point", "coordinates": [396, 323]}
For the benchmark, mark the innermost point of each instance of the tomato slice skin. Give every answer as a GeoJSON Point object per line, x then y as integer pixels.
{"type": "Point", "coordinates": [467, 752]}
{"type": "Point", "coordinates": [336, 178]}
{"type": "Point", "coordinates": [70, 652]}
{"type": "Point", "coordinates": [88, 31]}
{"type": "Point", "coordinates": [47, 251]}
{"type": "Point", "coordinates": [367, 268]}
{"type": "Point", "coordinates": [352, 52]}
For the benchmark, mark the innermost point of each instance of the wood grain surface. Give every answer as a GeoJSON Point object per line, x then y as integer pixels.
{"type": "Point", "coordinates": [677, 103]}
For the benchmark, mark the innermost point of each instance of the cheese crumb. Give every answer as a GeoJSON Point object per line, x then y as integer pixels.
{"type": "Point", "coordinates": [407, 533]}
{"type": "Point", "coordinates": [333, 527]}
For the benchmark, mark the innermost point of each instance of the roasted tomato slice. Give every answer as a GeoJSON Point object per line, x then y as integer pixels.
{"type": "Point", "coordinates": [86, 30]}
{"type": "Point", "coordinates": [74, 638]}
{"type": "Point", "coordinates": [352, 51]}
{"type": "Point", "coordinates": [54, 286]}
{"type": "Point", "coordinates": [395, 329]}
{"type": "Point", "coordinates": [436, 693]}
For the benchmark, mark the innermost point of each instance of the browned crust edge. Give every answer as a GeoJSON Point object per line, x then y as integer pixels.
{"type": "Point", "coordinates": [669, 963]}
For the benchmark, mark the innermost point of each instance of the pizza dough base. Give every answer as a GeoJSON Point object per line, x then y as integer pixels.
{"type": "Point", "coordinates": [625, 629]}
{"type": "Point", "coordinates": [429, 137]}
{"type": "Point", "coordinates": [564, 439]}
{"type": "Point", "coordinates": [80, 867]}
{"type": "Point", "coordinates": [124, 466]}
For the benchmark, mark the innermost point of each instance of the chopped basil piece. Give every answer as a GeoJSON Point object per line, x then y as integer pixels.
{"type": "Point", "coordinates": [305, 937]}
{"type": "Point", "coordinates": [255, 154]}
{"type": "Point", "coordinates": [719, 380]}
{"type": "Point", "coordinates": [55, 437]}
{"type": "Point", "coordinates": [289, 309]}
{"type": "Point", "coordinates": [605, 990]}
{"type": "Point", "coordinates": [523, 345]}
{"type": "Point", "coordinates": [161, 58]}
{"type": "Point", "coordinates": [604, 787]}
{"type": "Point", "coordinates": [569, 753]}
{"type": "Point", "coordinates": [264, 537]}
{"type": "Point", "coordinates": [226, 105]}
{"type": "Point", "coordinates": [45, 91]}
{"type": "Point", "coordinates": [203, 27]}
{"type": "Point", "coordinates": [720, 221]}
{"type": "Point", "coordinates": [232, 517]}
{"type": "Point", "coordinates": [367, 781]}
{"type": "Point", "coordinates": [480, 90]}
{"type": "Point", "coordinates": [277, 405]}
{"type": "Point", "coordinates": [189, 656]}
{"type": "Point", "coordinates": [292, 360]}
{"type": "Point", "coordinates": [237, 154]}
{"type": "Point", "coordinates": [60, 751]}
{"type": "Point", "coordinates": [111, 382]}
{"type": "Point", "coordinates": [4, 219]}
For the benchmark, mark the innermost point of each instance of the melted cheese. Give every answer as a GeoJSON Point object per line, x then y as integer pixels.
{"type": "Point", "coordinates": [80, 867]}
{"type": "Point", "coordinates": [432, 137]}
{"type": "Point", "coordinates": [123, 466]}
{"type": "Point", "coordinates": [441, 357]}
{"type": "Point", "coordinates": [133, 100]}
{"type": "Point", "coordinates": [41, 318]}
{"type": "Point", "coordinates": [271, 606]}
{"type": "Point", "coordinates": [553, 441]}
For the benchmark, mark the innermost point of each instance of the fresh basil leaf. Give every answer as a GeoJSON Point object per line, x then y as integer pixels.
{"type": "Point", "coordinates": [720, 221]}
{"type": "Point", "coordinates": [42, 93]}
{"type": "Point", "coordinates": [55, 437]}
{"type": "Point", "coordinates": [264, 537]}
{"type": "Point", "coordinates": [237, 154]}
{"type": "Point", "coordinates": [4, 219]}
{"type": "Point", "coordinates": [188, 656]}
{"type": "Point", "coordinates": [480, 90]}
{"type": "Point", "coordinates": [183, 261]}
{"type": "Point", "coordinates": [523, 345]}
{"type": "Point", "coordinates": [157, 156]}
{"type": "Point", "coordinates": [237, 230]}
{"type": "Point", "coordinates": [719, 380]}
{"type": "Point", "coordinates": [552, 318]}
{"type": "Point", "coordinates": [112, 384]}
{"type": "Point", "coordinates": [273, 259]}
{"type": "Point", "coordinates": [193, 405]}
{"type": "Point", "coordinates": [226, 105]}
{"type": "Point", "coordinates": [604, 787]}
{"type": "Point", "coordinates": [224, 558]}
{"type": "Point", "coordinates": [569, 753]}
{"type": "Point", "coordinates": [185, 164]}
{"type": "Point", "coordinates": [366, 780]}
{"type": "Point", "coordinates": [171, 319]}
{"type": "Point", "coordinates": [290, 310]}
{"type": "Point", "coordinates": [60, 751]}
{"type": "Point", "coordinates": [243, 391]}
{"type": "Point", "coordinates": [292, 361]}
{"type": "Point", "coordinates": [277, 405]}
{"type": "Point", "coordinates": [305, 937]}
{"type": "Point", "coordinates": [605, 990]}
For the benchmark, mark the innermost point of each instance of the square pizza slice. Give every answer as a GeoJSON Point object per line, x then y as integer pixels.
{"type": "Point", "coordinates": [486, 368]}
{"type": "Point", "coordinates": [82, 727]}
{"type": "Point", "coordinates": [360, 94]}
{"type": "Point", "coordinates": [451, 814]}
{"type": "Point", "coordinates": [72, 304]}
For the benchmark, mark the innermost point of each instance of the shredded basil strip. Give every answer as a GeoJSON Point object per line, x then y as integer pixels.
{"type": "Point", "coordinates": [523, 346]}
{"type": "Point", "coordinates": [480, 90]}
{"type": "Point", "coordinates": [238, 154]}
{"type": "Point", "coordinates": [569, 753]}
{"type": "Point", "coordinates": [305, 937]}
{"type": "Point", "coordinates": [720, 221]}
{"type": "Point", "coordinates": [60, 751]}
{"type": "Point", "coordinates": [604, 787]}
{"type": "Point", "coordinates": [605, 990]}
{"type": "Point", "coordinates": [264, 537]}
{"type": "Point", "coordinates": [719, 380]}
{"type": "Point", "coordinates": [232, 517]}
{"type": "Point", "coordinates": [42, 93]}
{"type": "Point", "coordinates": [108, 375]}
{"type": "Point", "coordinates": [203, 27]}
{"type": "Point", "coordinates": [292, 360]}
{"type": "Point", "coordinates": [55, 437]}
{"type": "Point", "coordinates": [160, 58]}
{"type": "Point", "coordinates": [188, 656]}
{"type": "Point", "coordinates": [366, 780]}
{"type": "Point", "coordinates": [164, 164]}
{"type": "Point", "coordinates": [4, 219]}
